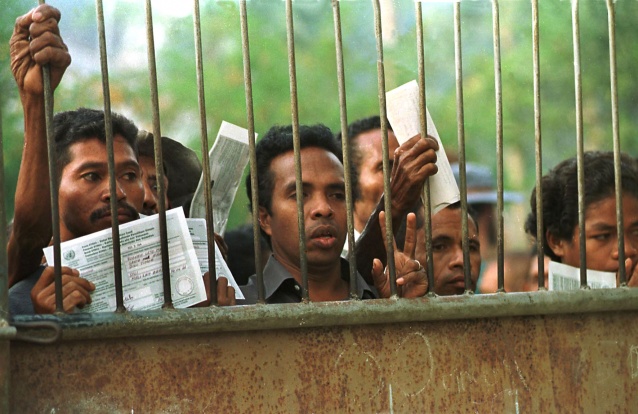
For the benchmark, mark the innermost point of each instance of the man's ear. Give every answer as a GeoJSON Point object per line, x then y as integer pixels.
{"type": "Point", "coordinates": [264, 220]}
{"type": "Point", "coordinates": [556, 244]}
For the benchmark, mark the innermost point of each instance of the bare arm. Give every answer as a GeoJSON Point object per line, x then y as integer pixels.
{"type": "Point", "coordinates": [414, 162]}
{"type": "Point", "coordinates": [35, 42]}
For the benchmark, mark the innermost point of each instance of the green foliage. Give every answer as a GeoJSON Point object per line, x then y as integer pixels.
{"type": "Point", "coordinates": [317, 76]}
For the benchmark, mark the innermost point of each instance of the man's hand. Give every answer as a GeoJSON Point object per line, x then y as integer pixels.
{"type": "Point", "coordinates": [225, 293]}
{"type": "Point", "coordinates": [412, 280]}
{"type": "Point", "coordinates": [76, 291]}
{"type": "Point", "coordinates": [632, 273]}
{"type": "Point", "coordinates": [36, 42]}
{"type": "Point", "coordinates": [414, 162]}
{"type": "Point", "coordinates": [223, 248]}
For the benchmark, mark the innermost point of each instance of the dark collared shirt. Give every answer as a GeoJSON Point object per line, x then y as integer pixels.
{"type": "Point", "coordinates": [281, 286]}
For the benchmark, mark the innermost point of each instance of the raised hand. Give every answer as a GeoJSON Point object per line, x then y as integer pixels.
{"type": "Point", "coordinates": [36, 42]}
{"type": "Point", "coordinates": [412, 280]}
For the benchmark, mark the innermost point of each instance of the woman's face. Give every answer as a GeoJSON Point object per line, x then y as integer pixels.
{"type": "Point", "coordinates": [601, 236]}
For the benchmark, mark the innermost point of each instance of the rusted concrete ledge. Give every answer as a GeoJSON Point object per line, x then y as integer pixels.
{"type": "Point", "coordinates": [259, 317]}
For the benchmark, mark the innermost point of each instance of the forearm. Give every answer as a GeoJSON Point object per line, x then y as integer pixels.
{"type": "Point", "coordinates": [32, 218]}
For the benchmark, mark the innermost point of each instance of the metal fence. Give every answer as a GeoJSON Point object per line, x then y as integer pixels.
{"type": "Point", "coordinates": [122, 323]}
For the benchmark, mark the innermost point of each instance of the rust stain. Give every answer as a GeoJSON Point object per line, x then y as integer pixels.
{"type": "Point", "coordinates": [521, 364]}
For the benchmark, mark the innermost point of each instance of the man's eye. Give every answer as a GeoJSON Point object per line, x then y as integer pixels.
{"type": "Point", "coordinates": [130, 176]}
{"type": "Point", "coordinates": [91, 176]}
{"type": "Point", "coordinates": [475, 247]}
{"type": "Point", "coordinates": [602, 237]}
{"type": "Point", "coordinates": [438, 247]}
{"type": "Point", "coordinates": [338, 196]}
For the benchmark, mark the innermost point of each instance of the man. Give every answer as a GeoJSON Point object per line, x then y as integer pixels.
{"type": "Point", "coordinates": [447, 251]}
{"type": "Point", "coordinates": [447, 248]}
{"type": "Point", "coordinates": [324, 222]}
{"type": "Point", "coordinates": [182, 171]}
{"type": "Point", "coordinates": [81, 164]}
{"type": "Point", "coordinates": [412, 163]}
{"type": "Point", "coordinates": [367, 166]}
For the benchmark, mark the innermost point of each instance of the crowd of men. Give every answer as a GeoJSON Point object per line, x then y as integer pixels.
{"type": "Point", "coordinates": [85, 200]}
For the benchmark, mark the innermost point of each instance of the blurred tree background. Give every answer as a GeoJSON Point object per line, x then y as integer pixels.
{"type": "Point", "coordinates": [316, 71]}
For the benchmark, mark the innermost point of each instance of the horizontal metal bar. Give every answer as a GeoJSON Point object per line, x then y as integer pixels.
{"type": "Point", "coordinates": [302, 315]}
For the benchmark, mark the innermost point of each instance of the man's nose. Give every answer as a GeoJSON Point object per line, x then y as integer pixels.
{"type": "Point", "coordinates": [456, 259]}
{"type": "Point", "coordinates": [321, 207]}
{"type": "Point", "coordinates": [119, 192]}
{"type": "Point", "coordinates": [149, 198]}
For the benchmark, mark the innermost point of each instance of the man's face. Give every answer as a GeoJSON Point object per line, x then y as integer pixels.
{"type": "Point", "coordinates": [371, 173]}
{"type": "Point", "coordinates": [84, 187]}
{"type": "Point", "coordinates": [601, 238]}
{"type": "Point", "coordinates": [324, 209]}
{"type": "Point", "coordinates": [151, 186]}
{"type": "Point", "coordinates": [447, 252]}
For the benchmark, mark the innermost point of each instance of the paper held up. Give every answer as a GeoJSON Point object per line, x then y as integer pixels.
{"type": "Point", "coordinates": [403, 113]}
{"type": "Point", "coordinates": [197, 229]}
{"type": "Point", "coordinates": [227, 159]}
{"type": "Point", "coordinates": [142, 280]}
{"type": "Point", "coordinates": [564, 277]}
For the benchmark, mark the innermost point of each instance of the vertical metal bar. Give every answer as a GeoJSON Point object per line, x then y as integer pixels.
{"type": "Point", "coordinates": [611, 22]}
{"type": "Point", "coordinates": [53, 184]}
{"type": "Point", "coordinates": [5, 349]}
{"type": "Point", "coordinates": [4, 267]}
{"type": "Point", "coordinates": [540, 237]}
{"type": "Point", "coordinates": [5, 371]}
{"type": "Point", "coordinates": [578, 89]}
{"type": "Point", "coordinates": [460, 125]}
{"type": "Point", "coordinates": [303, 260]}
{"type": "Point", "coordinates": [500, 239]}
{"type": "Point", "coordinates": [253, 157]}
{"type": "Point", "coordinates": [424, 132]}
{"type": "Point", "coordinates": [201, 100]}
{"type": "Point", "coordinates": [345, 146]}
{"type": "Point", "coordinates": [159, 164]}
{"type": "Point", "coordinates": [386, 161]}
{"type": "Point", "coordinates": [108, 130]}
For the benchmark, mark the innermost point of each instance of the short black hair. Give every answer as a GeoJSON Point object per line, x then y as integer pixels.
{"type": "Point", "coordinates": [83, 124]}
{"type": "Point", "coordinates": [278, 140]}
{"type": "Point", "coordinates": [419, 211]}
{"type": "Point", "coordinates": [560, 192]}
{"type": "Point", "coordinates": [355, 129]}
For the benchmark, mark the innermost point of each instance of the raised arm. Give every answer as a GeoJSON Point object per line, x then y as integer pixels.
{"type": "Point", "coordinates": [414, 162]}
{"type": "Point", "coordinates": [35, 42]}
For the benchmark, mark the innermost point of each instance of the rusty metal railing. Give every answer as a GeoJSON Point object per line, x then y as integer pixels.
{"type": "Point", "coordinates": [428, 309]}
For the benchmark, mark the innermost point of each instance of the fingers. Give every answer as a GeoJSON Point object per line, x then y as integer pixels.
{"type": "Point", "coordinates": [409, 246]}
{"type": "Point", "coordinates": [413, 284]}
{"type": "Point", "coordinates": [632, 273]}
{"type": "Point", "coordinates": [225, 293]}
{"type": "Point", "coordinates": [76, 291]}
{"type": "Point", "coordinates": [48, 50]}
{"type": "Point", "coordinates": [21, 28]}
{"type": "Point", "coordinates": [380, 279]}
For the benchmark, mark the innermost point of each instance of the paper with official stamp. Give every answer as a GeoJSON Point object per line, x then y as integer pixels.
{"type": "Point", "coordinates": [403, 114]}
{"type": "Point", "coordinates": [197, 229]}
{"type": "Point", "coordinates": [564, 277]}
{"type": "Point", "coordinates": [227, 159]}
{"type": "Point", "coordinates": [142, 282]}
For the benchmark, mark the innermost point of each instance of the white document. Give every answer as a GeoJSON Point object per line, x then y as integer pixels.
{"type": "Point", "coordinates": [403, 114]}
{"type": "Point", "coordinates": [197, 229]}
{"type": "Point", "coordinates": [142, 282]}
{"type": "Point", "coordinates": [227, 159]}
{"type": "Point", "coordinates": [564, 277]}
